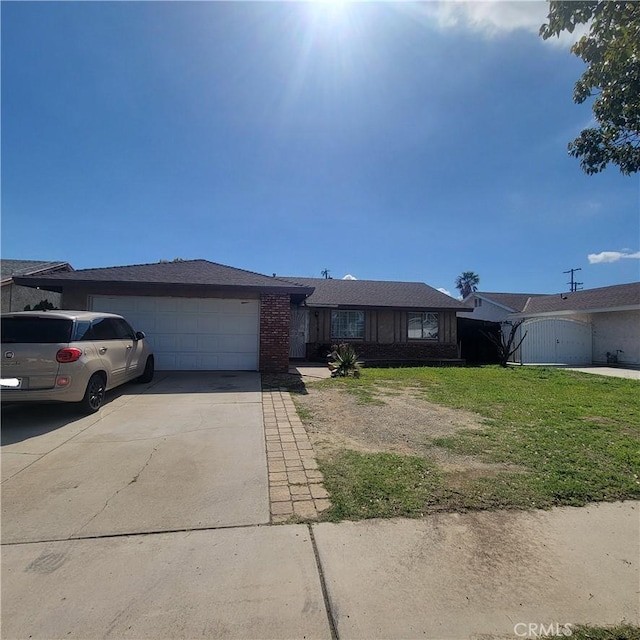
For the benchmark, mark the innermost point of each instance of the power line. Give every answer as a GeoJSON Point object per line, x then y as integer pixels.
{"type": "Point", "coordinates": [572, 283]}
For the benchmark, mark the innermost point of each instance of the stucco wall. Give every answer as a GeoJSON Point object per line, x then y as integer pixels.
{"type": "Point", "coordinates": [611, 331]}
{"type": "Point", "coordinates": [16, 298]}
{"type": "Point", "coordinates": [616, 330]}
{"type": "Point", "coordinates": [487, 311]}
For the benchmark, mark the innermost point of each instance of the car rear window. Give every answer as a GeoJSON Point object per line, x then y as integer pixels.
{"type": "Point", "coordinates": [36, 330]}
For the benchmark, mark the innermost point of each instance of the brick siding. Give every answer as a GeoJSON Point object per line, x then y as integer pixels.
{"type": "Point", "coordinates": [400, 351]}
{"type": "Point", "coordinates": [274, 332]}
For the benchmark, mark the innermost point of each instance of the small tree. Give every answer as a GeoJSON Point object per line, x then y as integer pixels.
{"type": "Point", "coordinates": [504, 342]}
{"type": "Point", "coordinates": [467, 283]}
{"type": "Point", "coordinates": [43, 305]}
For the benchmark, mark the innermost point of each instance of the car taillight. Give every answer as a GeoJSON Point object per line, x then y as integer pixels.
{"type": "Point", "coordinates": [68, 354]}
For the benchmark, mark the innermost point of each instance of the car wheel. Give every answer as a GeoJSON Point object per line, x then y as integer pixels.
{"type": "Point", "coordinates": [94, 395]}
{"type": "Point", "coordinates": [147, 374]}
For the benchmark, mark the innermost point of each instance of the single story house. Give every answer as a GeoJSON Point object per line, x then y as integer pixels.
{"type": "Point", "coordinates": [386, 322]}
{"type": "Point", "coordinates": [203, 315]}
{"type": "Point", "coordinates": [489, 310]}
{"type": "Point", "coordinates": [594, 326]}
{"type": "Point", "coordinates": [16, 297]}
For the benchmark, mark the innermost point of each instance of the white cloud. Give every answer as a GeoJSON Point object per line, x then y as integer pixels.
{"type": "Point", "coordinates": [611, 256]}
{"type": "Point", "coordinates": [495, 17]}
{"type": "Point", "coordinates": [349, 277]}
{"type": "Point", "coordinates": [443, 290]}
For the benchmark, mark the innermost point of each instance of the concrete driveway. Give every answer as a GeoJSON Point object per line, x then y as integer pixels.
{"type": "Point", "coordinates": [147, 521]}
{"type": "Point", "coordinates": [184, 452]}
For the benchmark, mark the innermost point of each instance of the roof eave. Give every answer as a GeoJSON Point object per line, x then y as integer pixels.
{"type": "Point", "coordinates": [571, 312]}
{"type": "Point", "coordinates": [57, 284]}
{"type": "Point", "coordinates": [329, 305]}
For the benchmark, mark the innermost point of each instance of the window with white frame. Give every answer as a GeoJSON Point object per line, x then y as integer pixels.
{"type": "Point", "coordinates": [347, 324]}
{"type": "Point", "coordinates": [423, 326]}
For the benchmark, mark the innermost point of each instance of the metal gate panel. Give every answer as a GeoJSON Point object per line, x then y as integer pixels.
{"type": "Point", "coordinates": [556, 341]}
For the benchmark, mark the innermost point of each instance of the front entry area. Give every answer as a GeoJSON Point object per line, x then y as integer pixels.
{"type": "Point", "coordinates": [193, 333]}
{"type": "Point", "coordinates": [298, 332]}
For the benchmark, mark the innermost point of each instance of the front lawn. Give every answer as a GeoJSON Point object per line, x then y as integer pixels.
{"type": "Point", "coordinates": [543, 437]}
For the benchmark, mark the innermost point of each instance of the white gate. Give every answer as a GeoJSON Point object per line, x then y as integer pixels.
{"type": "Point", "coordinates": [556, 341]}
{"type": "Point", "coordinates": [298, 331]}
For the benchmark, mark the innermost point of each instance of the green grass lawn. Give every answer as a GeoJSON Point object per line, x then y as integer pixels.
{"type": "Point", "coordinates": [620, 632]}
{"type": "Point", "coordinates": [574, 437]}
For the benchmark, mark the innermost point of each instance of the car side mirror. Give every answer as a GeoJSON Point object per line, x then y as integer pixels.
{"type": "Point", "coordinates": [140, 335]}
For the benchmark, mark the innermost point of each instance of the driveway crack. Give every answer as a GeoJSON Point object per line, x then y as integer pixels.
{"type": "Point", "coordinates": [110, 498]}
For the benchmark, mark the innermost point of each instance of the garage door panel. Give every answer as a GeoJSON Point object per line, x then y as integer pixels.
{"type": "Point", "coordinates": [209, 323]}
{"type": "Point", "coordinates": [165, 361]}
{"type": "Point", "coordinates": [236, 344]}
{"type": "Point", "coordinates": [238, 324]}
{"type": "Point", "coordinates": [193, 333]}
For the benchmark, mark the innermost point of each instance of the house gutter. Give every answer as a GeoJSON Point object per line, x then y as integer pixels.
{"type": "Point", "coordinates": [57, 285]}
{"type": "Point", "coordinates": [571, 312]}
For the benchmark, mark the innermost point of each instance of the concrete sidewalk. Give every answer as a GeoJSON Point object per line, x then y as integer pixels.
{"type": "Point", "coordinates": [476, 575]}
{"type": "Point", "coordinates": [611, 372]}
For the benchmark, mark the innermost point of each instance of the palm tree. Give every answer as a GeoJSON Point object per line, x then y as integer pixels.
{"type": "Point", "coordinates": [467, 283]}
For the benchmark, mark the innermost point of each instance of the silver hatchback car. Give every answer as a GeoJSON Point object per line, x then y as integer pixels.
{"type": "Point", "coordinates": [70, 356]}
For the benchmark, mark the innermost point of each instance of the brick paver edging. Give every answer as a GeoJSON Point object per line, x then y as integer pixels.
{"type": "Point", "coordinates": [295, 483]}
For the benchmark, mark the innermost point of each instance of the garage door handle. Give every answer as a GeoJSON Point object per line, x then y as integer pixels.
{"type": "Point", "coordinates": [103, 349]}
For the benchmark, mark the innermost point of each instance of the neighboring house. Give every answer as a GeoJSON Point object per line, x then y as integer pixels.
{"type": "Point", "coordinates": [496, 307]}
{"type": "Point", "coordinates": [489, 310]}
{"type": "Point", "coordinates": [387, 322]}
{"type": "Point", "coordinates": [16, 297]}
{"type": "Point", "coordinates": [594, 326]}
{"type": "Point", "coordinates": [202, 315]}
{"type": "Point", "coordinates": [198, 315]}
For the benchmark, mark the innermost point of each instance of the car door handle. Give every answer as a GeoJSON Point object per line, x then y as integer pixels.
{"type": "Point", "coordinates": [103, 349]}
{"type": "Point", "coordinates": [129, 346]}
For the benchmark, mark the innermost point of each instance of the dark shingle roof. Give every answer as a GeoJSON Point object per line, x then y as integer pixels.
{"type": "Point", "coordinates": [10, 268]}
{"type": "Point", "coordinates": [514, 301]}
{"type": "Point", "coordinates": [183, 272]}
{"type": "Point", "coordinates": [618, 296]}
{"type": "Point", "coordinates": [376, 293]}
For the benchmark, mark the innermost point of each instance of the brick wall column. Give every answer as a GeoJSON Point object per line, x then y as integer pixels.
{"type": "Point", "coordinates": [274, 332]}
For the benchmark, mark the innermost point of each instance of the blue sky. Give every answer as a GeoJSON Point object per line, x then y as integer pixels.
{"type": "Point", "coordinates": [390, 141]}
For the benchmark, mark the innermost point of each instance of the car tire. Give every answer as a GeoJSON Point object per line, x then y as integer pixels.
{"type": "Point", "coordinates": [94, 394]}
{"type": "Point", "coordinates": [147, 374]}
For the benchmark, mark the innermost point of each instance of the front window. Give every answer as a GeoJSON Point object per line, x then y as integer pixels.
{"type": "Point", "coordinates": [347, 324]}
{"type": "Point", "coordinates": [423, 326]}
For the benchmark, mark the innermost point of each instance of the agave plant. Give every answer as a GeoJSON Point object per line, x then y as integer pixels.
{"type": "Point", "coordinates": [343, 361]}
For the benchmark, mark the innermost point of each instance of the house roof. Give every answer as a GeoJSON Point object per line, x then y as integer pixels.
{"type": "Point", "coordinates": [511, 301]}
{"type": "Point", "coordinates": [376, 293]}
{"type": "Point", "coordinates": [179, 273]}
{"type": "Point", "coordinates": [615, 298]}
{"type": "Point", "coordinates": [11, 268]}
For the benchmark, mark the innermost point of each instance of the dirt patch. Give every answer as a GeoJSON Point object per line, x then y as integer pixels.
{"type": "Point", "coordinates": [395, 422]}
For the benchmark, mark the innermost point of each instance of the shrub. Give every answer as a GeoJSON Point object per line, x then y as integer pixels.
{"type": "Point", "coordinates": [343, 361]}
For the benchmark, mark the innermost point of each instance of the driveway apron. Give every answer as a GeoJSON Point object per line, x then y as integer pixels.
{"type": "Point", "coordinates": [185, 452]}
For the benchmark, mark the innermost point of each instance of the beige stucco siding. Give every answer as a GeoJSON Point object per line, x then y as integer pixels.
{"type": "Point", "coordinates": [16, 297]}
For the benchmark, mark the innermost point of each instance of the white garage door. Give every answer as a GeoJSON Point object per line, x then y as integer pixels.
{"type": "Point", "coordinates": [193, 333]}
{"type": "Point", "coordinates": [556, 341]}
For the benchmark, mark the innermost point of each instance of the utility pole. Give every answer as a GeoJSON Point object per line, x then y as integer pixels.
{"type": "Point", "coordinates": [574, 285]}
